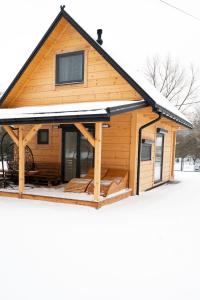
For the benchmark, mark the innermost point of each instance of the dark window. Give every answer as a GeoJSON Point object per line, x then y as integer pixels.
{"type": "Point", "coordinates": [43, 136]}
{"type": "Point", "coordinates": [70, 67]}
{"type": "Point", "coordinates": [146, 151]}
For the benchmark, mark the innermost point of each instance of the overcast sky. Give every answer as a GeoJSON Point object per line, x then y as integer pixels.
{"type": "Point", "coordinates": [156, 28]}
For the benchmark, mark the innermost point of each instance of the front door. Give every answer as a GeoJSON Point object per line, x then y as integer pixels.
{"type": "Point", "coordinates": [78, 154]}
{"type": "Point", "coordinates": [159, 146]}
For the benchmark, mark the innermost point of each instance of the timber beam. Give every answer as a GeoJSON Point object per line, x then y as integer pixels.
{"type": "Point", "coordinates": [12, 134]}
{"type": "Point", "coordinates": [85, 133]}
{"type": "Point", "coordinates": [97, 161]}
{"type": "Point", "coordinates": [31, 134]}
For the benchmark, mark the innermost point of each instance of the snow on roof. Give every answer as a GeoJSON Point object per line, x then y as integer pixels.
{"type": "Point", "coordinates": [119, 43]}
{"type": "Point", "coordinates": [67, 110]}
{"type": "Point", "coordinates": [157, 96]}
{"type": "Point", "coordinates": [118, 49]}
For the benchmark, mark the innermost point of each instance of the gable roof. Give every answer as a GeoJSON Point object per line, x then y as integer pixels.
{"type": "Point", "coordinates": [140, 84]}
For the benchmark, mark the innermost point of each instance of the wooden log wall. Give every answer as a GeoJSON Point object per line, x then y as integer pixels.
{"type": "Point", "coordinates": [37, 84]}
{"type": "Point", "coordinates": [117, 149]}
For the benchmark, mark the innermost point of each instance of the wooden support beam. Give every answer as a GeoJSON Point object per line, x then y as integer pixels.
{"type": "Point", "coordinates": [173, 153]}
{"type": "Point", "coordinates": [12, 134]}
{"type": "Point", "coordinates": [31, 134]}
{"type": "Point", "coordinates": [97, 162]}
{"type": "Point", "coordinates": [85, 133]}
{"type": "Point", "coordinates": [133, 152]}
{"type": "Point", "coordinates": [21, 161]}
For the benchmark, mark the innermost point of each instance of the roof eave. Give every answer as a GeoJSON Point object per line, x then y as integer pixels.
{"type": "Point", "coordinates": [169, 115]}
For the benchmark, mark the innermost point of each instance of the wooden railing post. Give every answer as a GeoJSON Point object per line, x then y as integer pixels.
{"type": "Point", "coordinates": [21, 162]}
{"type": "Point", "coordinates": [97, 162]}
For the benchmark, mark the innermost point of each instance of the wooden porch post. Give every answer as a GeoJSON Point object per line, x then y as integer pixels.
{"type": "Point", "coordinates": [97, 162]}
{"type": "Point", "coordinates": [173, 154]}
{"type": "Point", "coordinates": [21, 161]}
{"type": "Point", "coordinates": [133, 152]}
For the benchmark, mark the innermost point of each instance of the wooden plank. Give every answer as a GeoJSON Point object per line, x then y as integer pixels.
{"type": "Point", "coordinates": [97, 162]}
{"type": "Point", "coordinates": [48, 198]}
{"type": "Point", "coordinates": [173, 153]}
{"type": "Point", "coordinates": [12, 134]}
{"type": "Point", "coordinates": [21, 161]}
{"type": "Point", "coordinates": [85, 133]}
{"type": "Point", "coordinates": [114, 199]}
{"type": "Point", "coordinates": [31, 134]}
{"type": "Point", "coordinates": [105, 201]}
{"type": "Point", "coordinates": [133, 153]}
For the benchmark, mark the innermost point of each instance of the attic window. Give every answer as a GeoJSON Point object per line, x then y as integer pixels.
{"type": "Point", "coordinates": [70, 67]}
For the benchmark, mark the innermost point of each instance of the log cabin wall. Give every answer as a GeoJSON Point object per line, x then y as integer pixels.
{"type": "Point", "coordinates": [50, 152]}
{"type": "Point", "coordinates": [37, 85]}
{"type": "Point", "coordinates": [115, 144]}
{"type": "Point", "coordinates": [116, 150]}
{"type": "Point", "coordinates": [147, 167]}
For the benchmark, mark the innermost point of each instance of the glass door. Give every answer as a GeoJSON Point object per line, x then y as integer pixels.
{"type": "Point", "coordinates": [77, 154]}
{"type": "Point", "coordinates": [158, 157]}
{"type": "Point", "coordinates": [70, 155]}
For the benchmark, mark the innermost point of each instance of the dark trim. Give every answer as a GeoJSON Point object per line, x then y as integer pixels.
{"type": "Point", "coordinates": [76, 118]}
{"type": "Point", "coordinates": [149, 142]}
{"type": "Point", "coordinates": [107, 57]}
{"type": "Point", "coordinates": [157, 185]}
{"type": "Point", "coordinates": [116, 110]}
{"type": "Point", "coordinates": [72, 128]}
{"type": "Point", "coordinates": [150, 148]}
{"type": "Point", "coordinates": [172, 117]}
{"type": "Point", "coordinates": [161, 130]}
{"type": "Point", "coordinates": [74, 53]}
{"type": "Point", "coordinates": [46, 120]}
{"type": "Point", "coordinates": [39, 141]}
{"type": "Point", "coordinates": [62, 155]}
{"type": "Point", "coordinates": [161, 167]}
{"type": "Point", "coordinates": [139, 150]}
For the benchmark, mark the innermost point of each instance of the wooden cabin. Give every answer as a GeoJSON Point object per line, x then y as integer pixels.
{"type": "Point", "coordinates": [78, 110]}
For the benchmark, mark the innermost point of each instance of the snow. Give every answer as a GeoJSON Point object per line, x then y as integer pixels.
{"type": "Point", "coordinates": [157, 96]}
{"type": "Point", "coordinates": [70, 109]}
{"type": "Point", "coordinates": [121, 47]}
{"type": "Point", "coordinates": [145, 247]}
{"type": "Point", "coordinates": [58, 191]}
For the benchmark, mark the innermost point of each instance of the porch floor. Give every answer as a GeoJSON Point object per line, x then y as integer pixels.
{"type": "Point", "coordinates": [57, 194]}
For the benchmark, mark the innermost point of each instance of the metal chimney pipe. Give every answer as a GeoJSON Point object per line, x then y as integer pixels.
{"type": "Point", "coordinates": [99, 34]}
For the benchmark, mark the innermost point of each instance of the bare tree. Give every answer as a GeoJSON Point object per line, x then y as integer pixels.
{"type": "Point", "coordinates": [178, 84]}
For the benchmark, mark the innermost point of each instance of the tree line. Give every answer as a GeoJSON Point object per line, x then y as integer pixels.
{"type": "Point", "coordinates": [181, 86]}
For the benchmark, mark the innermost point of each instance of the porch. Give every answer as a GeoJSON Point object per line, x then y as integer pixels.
{"type": "Point", "coordinates": [57, 194]}
{"type": "Point", "coordinates": [93, 113]}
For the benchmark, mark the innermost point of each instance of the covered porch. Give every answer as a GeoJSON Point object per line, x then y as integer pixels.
{"type": "Point", "coordinates": [16, 120]}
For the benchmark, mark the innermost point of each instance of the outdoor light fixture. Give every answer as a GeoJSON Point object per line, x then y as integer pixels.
{"type": "Point", "coordinates": [106, 126]}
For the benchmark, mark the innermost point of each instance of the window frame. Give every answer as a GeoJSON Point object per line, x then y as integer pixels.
{"type": "Point", "coordinates": [150, 156]}
{"type": "Point", "coordinates": [39, 142]}
{"type": "Point", "coordinates": [73, 53]}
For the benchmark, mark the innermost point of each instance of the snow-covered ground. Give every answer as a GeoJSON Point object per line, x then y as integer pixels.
{"type": "Point", "coordinates": [145, 247]}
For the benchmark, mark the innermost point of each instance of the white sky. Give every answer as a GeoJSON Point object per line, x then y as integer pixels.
{"type": "Point", "coordinates": [157, 29]}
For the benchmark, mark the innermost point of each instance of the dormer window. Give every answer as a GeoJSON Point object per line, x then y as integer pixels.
{"type": "Point", "coordinates": [70, 67]}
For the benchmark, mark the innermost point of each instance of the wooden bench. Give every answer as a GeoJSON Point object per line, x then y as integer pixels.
{"type": "Point", "coordinates": [45, 173]}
